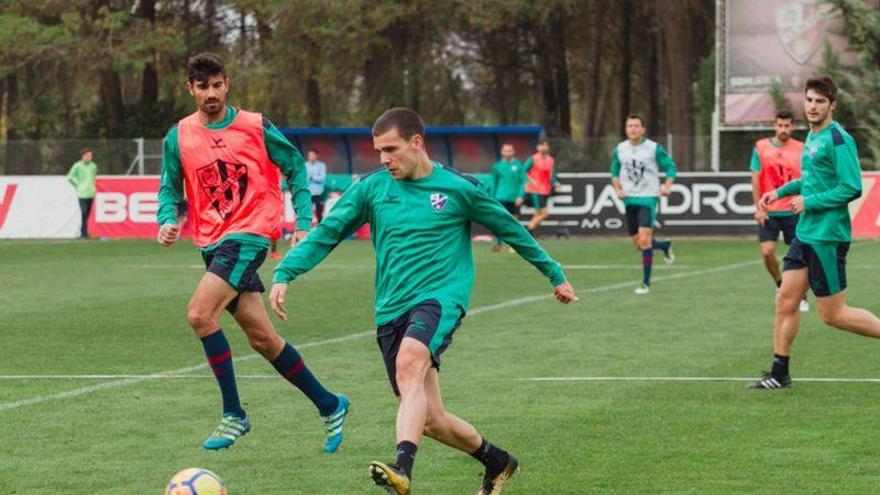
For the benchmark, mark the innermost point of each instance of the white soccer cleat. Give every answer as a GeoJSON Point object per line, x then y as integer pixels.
{"type": "Point", "coordinates": [669, 256]}
{"type": "Point", "coordinates": [643, 290]}
{"type": "Point", "coordinates": [805, 306]}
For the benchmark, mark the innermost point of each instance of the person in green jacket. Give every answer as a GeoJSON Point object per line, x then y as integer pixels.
{"type": "Point", "coordinates": [508, 184]}
{"type": "Point", "coordinates": [831, 178]}
{"type": "Point", "coordinates": [420, 215]}
{"type": "Point", "coordinates": [82, 177]}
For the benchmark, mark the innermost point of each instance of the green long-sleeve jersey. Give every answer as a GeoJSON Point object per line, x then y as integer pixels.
{"type": "Point", "coordinates": [422, 238]}
{"type": "Point", "coordinates": [82, 177]}
{"type": "Point", "coordinates": [508, 180]}
{"type": "Point", "coordinates": [281, 152]}
{"type": "Point", "coordinates": [831, 177]}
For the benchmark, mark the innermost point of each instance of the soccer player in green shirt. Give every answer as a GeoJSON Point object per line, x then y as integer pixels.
{"type": "Point", "coordinates": [82, 177]}
{"type": "Point", "coordinates": [508, 182]}
{"type": "Point", "coordinates": [420, 214]}
{"type": "Point", "coordinates": [816, 259]}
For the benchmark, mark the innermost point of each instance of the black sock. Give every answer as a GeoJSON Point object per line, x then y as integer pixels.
{"type": "Point", "coordinates": [778, 283]}
{"type": "Point", "coordinates": [492, 457]}
{"type": "Point", "coordinates": [780, 365]}
{"type": "Point", "coordinates": [406, 456]}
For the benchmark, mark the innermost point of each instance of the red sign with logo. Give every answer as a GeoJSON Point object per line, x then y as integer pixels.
{"type": "Point", "coordinates": [125, 207]}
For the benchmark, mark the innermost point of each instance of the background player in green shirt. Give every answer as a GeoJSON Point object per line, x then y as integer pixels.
{"type": "Point", "coordinates": [816, 259]}
{"type": "Point", "coordinates": [420, 215]}
{"type": "Point", "coordinates": [82, 177]}
{"type": "Point", "coordinates": [508, 183]}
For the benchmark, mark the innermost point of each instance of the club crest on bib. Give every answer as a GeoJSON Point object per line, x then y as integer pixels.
{"type": "Point", "coordinates": [438, 201]}
{"type": "Point", "coordinates": [225, 185]}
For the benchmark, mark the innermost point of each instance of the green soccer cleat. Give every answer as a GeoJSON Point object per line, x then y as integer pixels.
{"type": "Point", "coordinates": [493, 485]}
{"type": "Point", "coordinates": [390, 477]}
{"type": "Point", "coordinates": [333, 424]}
{"type": "Point", "coordinates": [228, 431]}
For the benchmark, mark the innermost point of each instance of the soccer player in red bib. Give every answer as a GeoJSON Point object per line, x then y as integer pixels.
{"type": "Point", "coordinates": [230, 163]}
{"type": "Point", "coordinates": [775, 162]}
{"type": "Point", "coordinates": [540, 183]}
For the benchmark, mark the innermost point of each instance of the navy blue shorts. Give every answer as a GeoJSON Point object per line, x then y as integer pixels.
{"type": "Point", "coordinates": [429, 322]}
{"type": "Point", "coordinates": [769, 232]}
{"type": "Point", "coordinates": [639, 216]}
{"type": "Point", "coordinates": [237, 263]}
{"type": "Point", "coordinates": [825, 263]}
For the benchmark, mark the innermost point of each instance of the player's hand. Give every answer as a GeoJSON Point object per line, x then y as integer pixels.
{"type": "Point", "coordinates": [620, 193]}
{"type": "Point", "coordinates": [760, 216]}
{"type": "Point", "coordinates": [797, 204]}
{"type": "Point", "coordinates": [664, 189]}
{"type": "Point", "coordinates": [768, 198]}
{"type": "Point", "coordinates": [276, 300]}
{"type": "Point", "coordinates": [168, 233]}
{"type": "Point", "coordinates": [518, 202]}
{"type": "Point", "coordinates": [298, 236]}
{"type": "Point", "coordinates": [564, 293]}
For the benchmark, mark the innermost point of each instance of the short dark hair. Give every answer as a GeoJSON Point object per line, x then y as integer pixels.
{"type": "Point", "coordinates": [84, 151]}
{"type": "Point", "coordinates": [203, 66]}
{"type": "Point", "coordinates": [784, 115]}
{"type": "Point", "coordinates": [822, 85]}
{"type": "Point", "coordinates": [543, 141]}
{"type": "Point", "coordinates": [636, 116]}
{"type": "Point", "coordinates": [312, 150]}
{"type": "Point", "coordinates": [407, 122]}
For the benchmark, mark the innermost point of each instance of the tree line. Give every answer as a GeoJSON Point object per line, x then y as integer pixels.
{"type": "Point", "coordinates": [115, 68]}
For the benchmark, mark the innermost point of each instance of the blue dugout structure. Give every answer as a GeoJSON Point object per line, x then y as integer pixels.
{"type": "Point", "coordinates": [469, 149]}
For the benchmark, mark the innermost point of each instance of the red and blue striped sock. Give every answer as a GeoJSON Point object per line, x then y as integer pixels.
{"type": "Point", "coordinates": [647, 261]}
{"type": "Point", "coordinates": [220, 358]}
{"type": "Point", "coordinates": [292, 367]}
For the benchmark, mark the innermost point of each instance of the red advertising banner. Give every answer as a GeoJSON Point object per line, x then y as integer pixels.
{"type": "Point", "coordinates": [125, 207]}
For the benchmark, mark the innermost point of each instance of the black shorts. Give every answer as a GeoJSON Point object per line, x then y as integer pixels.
{"type": "Point", "coordinates": [428, 322]}
{"type": "Point", "coordinates": [237, 263]}
{"type": "Point", "coordinates": [774, 225]}
{"type": "Point", "coordinates": [639, 216]}
{"type": "Point", "coordinates": [536, 201]}
{"type": "Point", "coordinates": [183, 208]}
{"type": "Point", "coordinates": [511, 207]}
{"type": "Point", "coordinates": [825, 263]}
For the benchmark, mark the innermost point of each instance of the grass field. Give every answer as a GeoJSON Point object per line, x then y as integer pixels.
{"type": "Point", "coordinates": [117, 309]}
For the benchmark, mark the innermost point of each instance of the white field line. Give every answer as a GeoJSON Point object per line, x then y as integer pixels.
{"type": "Point", "coordinates": [8, 406]}
{"type": "Point", "coordinates": [623, 267]}
{"type": "Point", "coordinates": [683, 379]}
{"type": "Point", "coordinates": [607, 288]}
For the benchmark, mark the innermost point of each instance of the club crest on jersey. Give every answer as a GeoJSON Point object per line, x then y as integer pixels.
{"type": "Point", "coordinates": [438, 201]}
{"type": "Point", "coordinates": [812, 151]}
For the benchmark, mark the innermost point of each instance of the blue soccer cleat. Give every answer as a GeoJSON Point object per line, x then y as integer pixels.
{"type": "Point", "coordinates": [333, 424]}
{"type": "Point", "coordinates": [228, 431]}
